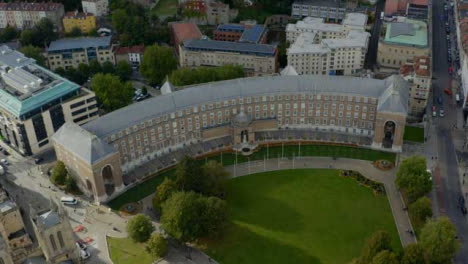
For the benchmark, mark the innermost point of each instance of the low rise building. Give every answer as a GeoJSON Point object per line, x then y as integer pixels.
{"type": "Point", "coordinates": [217, 13]}
{"type": "Point", "coordinates": [133, 55]}
{"type": "Point", "coordinates": [182, 31]}
{"type": "Point", "coordinates": [12, 229]}
{"type": "Point", "coordinates": [404, 40]}
{"type": "Point", "coordinates": [97, 7]}
{"type": "Point", "coordinates": [412, 8]}
{"type": "Point", "coordinates": [319, 48]}
{"type": "Point", "coordinates": [23, 15]}
{"type": "Point", "coordinates": [35, 103]}
{"type": "Point", "coordinates": [241, 32]}
{"type": "Point", "coordinates": [330, 10]}
{"type": "Point", "coordinates": [84, 21]}
{"type": "Point", "coordinates": [418, 73]}
{"type": "Point", "coordinates": [256, 59]}
{"type": "Point", "coordinates": [54, 234]}
{"type": "Point", "coordinates": [70, 52]}
{"type": "Point", "coordinates": [234, 115]}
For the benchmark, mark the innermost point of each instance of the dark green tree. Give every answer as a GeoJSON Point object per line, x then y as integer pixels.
{"type": "Point", "coordinates": [385, 257]}
{"type": "Point", "coordinates": [28, 37]}
{"type": "Point", "coordinates": [84, 69]}
{"type": "Point", "coordinates": [111, 92]}
{"type": "Point", "coordinates": [156, 246]}
{"type": "Point", "coordinates": [159, 62]}
{"type": "Point", "coordinates": [413, 254]}
{"type": "Point", "coordinates": [94, 67]}
{"type": "Point", "coordinates": [59, 173]}
{"type": "Point", "coordinates": [438, 241]}
{"type": "Point", "coordinates": [421, 209]}
{"type": "Point", "coordinates": [120, 20]}
{"type": "Point", "coordinates": [70, 184]}
{"type": "Point", "coordinates": [216, 177]}
{"type": "Point", "coordinates": [188, 76]}
{"type": "Point", "coordinates": [189, 175]}
{"type": "Point", "coordinates": [75, 32]}
{"type": "Point", "coordinates": [139, 228]}
{"type": "Point", "coordinates": [33, 52]}
{"type": "Point", "coordinates": [163, 192]}
{"type": "Point", "coordinates": [378, 242]}
{"type": "Point", "coordinates": [413, 177]}
{"type": "Point", "coordinates": [123, 70]}
{"type": "Point", "coordinates": [8, 34]}
{"type": "Point", "coordinates": [108, 67]}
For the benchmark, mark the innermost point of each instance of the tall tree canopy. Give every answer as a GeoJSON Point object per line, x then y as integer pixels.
{"type": "Point", "coordinates": [188, 76]}
{"type": "Point", "coordinates": [158, 63]}
{"type": "Point", "coordinates": [438, 241]}
{"type": "Point", "coordinates": [111, 92]}
{"type": "Point", "coordinates": [413, 177]}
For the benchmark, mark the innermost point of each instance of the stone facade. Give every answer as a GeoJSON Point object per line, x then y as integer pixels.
{"type": "Point", "coordinates": [96, 7]}
{"type": "Point", "coordinates": [23, 15]}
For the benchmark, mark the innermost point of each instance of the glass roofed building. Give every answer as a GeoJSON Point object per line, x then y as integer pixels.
{"type": "Point", "coordinates": [35, 102]}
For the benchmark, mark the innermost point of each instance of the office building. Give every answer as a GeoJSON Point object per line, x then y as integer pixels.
{"type": "Point", "coordinates": [404, 40]}
{"type": "Point", "coordinates": [84, 21]}
{"type": "Point", "coordinates": [35, 102]}
{"type": "Point", "coordinates": [418, 73]}
{"type": "Point", "coordinates": [96, 7]}
{"type": "Point", "coordinates": [320, 48]}
{"type": "Point", "coordinates": [23, 15]}
{"type": "Point", "coordinates": [256, 59]}
{"type": "Point", "coordinates": [237, 115]}
{"type": "Point", "coordinates": [329, 10]}
{"type": "Point", "coordinates": [70, 52]}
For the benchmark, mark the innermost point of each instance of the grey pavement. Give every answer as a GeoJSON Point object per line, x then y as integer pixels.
{"type": "Point", "coordinates": [366, 168]}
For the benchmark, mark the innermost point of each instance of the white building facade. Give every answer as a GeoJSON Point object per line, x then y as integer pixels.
{"type": "Point", "coordinates": [96, 7]}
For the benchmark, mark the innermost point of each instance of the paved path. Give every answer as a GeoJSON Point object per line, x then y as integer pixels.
{"type": "Point", "coordinates": [366, 168]}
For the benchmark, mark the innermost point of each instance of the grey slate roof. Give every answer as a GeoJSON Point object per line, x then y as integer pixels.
{"type": "Point", "coordinates": [84, 144]}
{"type": "Point", "coordinates": [49, 219]}
{"type": "Point", "coordinates": [256, 86]}
{"type": "Point", "coordinates": [400, 28]}
{"type": "Point", "coordinates": [227, 46]}
{"type": "Point", "coordinates": [79, 43]}
{"type": "Point", "coordinates": [395, 97]}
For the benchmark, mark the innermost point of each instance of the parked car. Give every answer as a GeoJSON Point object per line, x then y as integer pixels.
{"type": "Point", "coordinates": [441, 113]}
{"type": "Point", "coordinates": [38, 160]}
{"type": "Point", "coordinates": [81, 245]}
{"type": "Point", "coordinates": [434, 111]}
{"type": "Point", "coordinates": [439, 99]}
{"type": "Point", "coordinates": [4, 161]}
{"type": "Point", "coordinates": [68, 200]}
{"type": "Point", "coordinates": [84, 254]}
{"type": "Point", "coordinates": [6, 153]}
{"type": "Point", "coordinates": [447, 91]}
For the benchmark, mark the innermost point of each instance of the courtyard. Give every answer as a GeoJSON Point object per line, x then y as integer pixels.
{"type": "Point", "coordinates": [300, 216]}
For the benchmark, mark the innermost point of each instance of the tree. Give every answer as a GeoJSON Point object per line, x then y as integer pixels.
{"type": "Point", "coordinates": [70, 184]}
{"type": "Point", "coordinates": [111, 92]}
{"type": "Point", "coordinates": [187, 216]}
{"type": "Point", "coordinates": [84, 70]}
{"type": "Point", "coordinates": [46, 30]}
{"type": "Point", "coordinates": [158, 63]}
{"type": "Point", "coordinates": [139, 228]}
{"type": "Point", "coordinates": [216, 177]}
{"type": "Point", "coordinates": [385, 257]}
{"type": "Point", "coordinates": [188, 76]}
{"type": "Point", "coordinates": [413, 254]}
{"type": "Point", "coordinates": [120, 20]}
{"type": "Point", "coordinates": [94, 67]}
{"type": "Point", "coordinates": [438, 241]}
{"type": "Point", "coordinates": [413, 177]}
{"type": "Point", "coordinates": [75, 32]}
{"type": "Point", "coordinates": [123, 70]}
{"type": "Point", "coordinates": [189, 175]}
{"type": "Point", "coordinates": [33, 52]}
{"type": "Point", "coordinates": [163, 192]}
{"type": "Point", "coordinates": [421, 209]}
{"type": "Point", "coordinates": [107, 67]}
{"type": "Point", "coordinates": [59, 173]}
{"type": "Point", "coordinates": [27, 37]}
{"type": "Point", "coordinates": [8, 34]}
{"type": "Point", "coordinates": [156, 246]}
{"type": "Point", "coordinates": [378, 242]}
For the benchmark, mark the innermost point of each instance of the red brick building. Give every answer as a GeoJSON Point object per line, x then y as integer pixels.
{"type": "Point", "coordinates": [180, 32]}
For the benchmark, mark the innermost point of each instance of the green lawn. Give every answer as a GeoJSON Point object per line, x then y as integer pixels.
{"type": "Point", "coordinates": [415, 134]}
{"type": "Point", "coordinates": [166, 7]}
{"type": "Point", "coordinates": [300, 216]}
{"type": "Point", "coordinates": [148, 187]}
{"type": "Point", "coordinates": [125, 251]}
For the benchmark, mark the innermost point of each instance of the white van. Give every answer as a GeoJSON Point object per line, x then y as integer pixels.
{"type": "Point", "coordinates": [457, 98]}
{"type": "Point", "coordinates": [68, 200]}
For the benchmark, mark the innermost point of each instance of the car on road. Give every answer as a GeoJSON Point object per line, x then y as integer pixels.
{"type": "Point", "coordinates": [447, 91]}
{"type": "Point", "coordinates": [81, 245]}
{"type": "Point", "coordinates": [434, 111]}
{"type": "Point", "coordinates": [439, 99]}
{"type": "Point", "coordinates": [430, 174]}
{"type": "Point", "coordinates": [38, 160]}
{"type": "Point", "coordinates": [67, 200]}
{"type": "Point", "coordinates": [84, 254]}
{"type": "Point", "coordinates": [441, 113]}
{"type": "Point", "coordinates": [4, 161]}
{"type": "Point", "coordinates": [6, 153]}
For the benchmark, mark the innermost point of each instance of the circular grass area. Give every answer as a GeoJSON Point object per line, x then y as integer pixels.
{"type": "Point", "coordinates": [300, 216]}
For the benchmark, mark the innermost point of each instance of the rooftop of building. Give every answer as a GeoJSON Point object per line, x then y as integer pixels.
{"type": "Point", "coordinates": [25, 6]}
{"type": "Point", "coordinates": [48, 219]}
{"type": "Point", "coordinates": [226, 46]}
{"type": "Point", "coordinates": [351, 20]}
{"type": "Point", "coordinates": [77, 15]}
{"type": "Point", "coordinates": [114, 122]}
{"type": "Point", "coordinates": [185, 31]}
{"type": "Point", "coordinates": [26, 86]}
{"type": "Point", "coordinates": [7, 206]}
{"type": "Point", "coordinates": [132, 49]}
{"type": "Point", "coordinates": [79, 43]}
{"type": "Point", "coordinates": [327, 3]}
{"type": "Point", "coordinates": [253, 34]}
{"type": "Point", "coordinates": [231, 28]}
{"type": "Point", "coordinates": [355, 20]}
{"type": "Point", "coordinates": [411, 32]}
{"type": "Point", "coordinates": [419, 2]}
{"type": "Point", "coordinates": [421, 66]}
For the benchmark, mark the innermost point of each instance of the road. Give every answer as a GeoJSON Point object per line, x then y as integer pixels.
{"type": "Point", "coordinates": [371, 57]}
{"type": "Point", "coordinates": [447, 185]}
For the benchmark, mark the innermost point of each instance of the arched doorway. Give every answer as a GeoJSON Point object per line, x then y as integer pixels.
{"type": "Point", "coordinates": [389, 133]}
{"type": "Point", "coordinates": [108, 179]}
{"type": "Point", "coordinates": [244, 136]}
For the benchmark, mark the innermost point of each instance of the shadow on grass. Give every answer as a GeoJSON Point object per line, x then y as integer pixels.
{"type": "Point", "coordinates": [241, 245]}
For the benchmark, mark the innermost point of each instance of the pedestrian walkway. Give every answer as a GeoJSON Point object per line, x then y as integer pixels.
{"type": "Point", "coordinates": [366, 168]}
